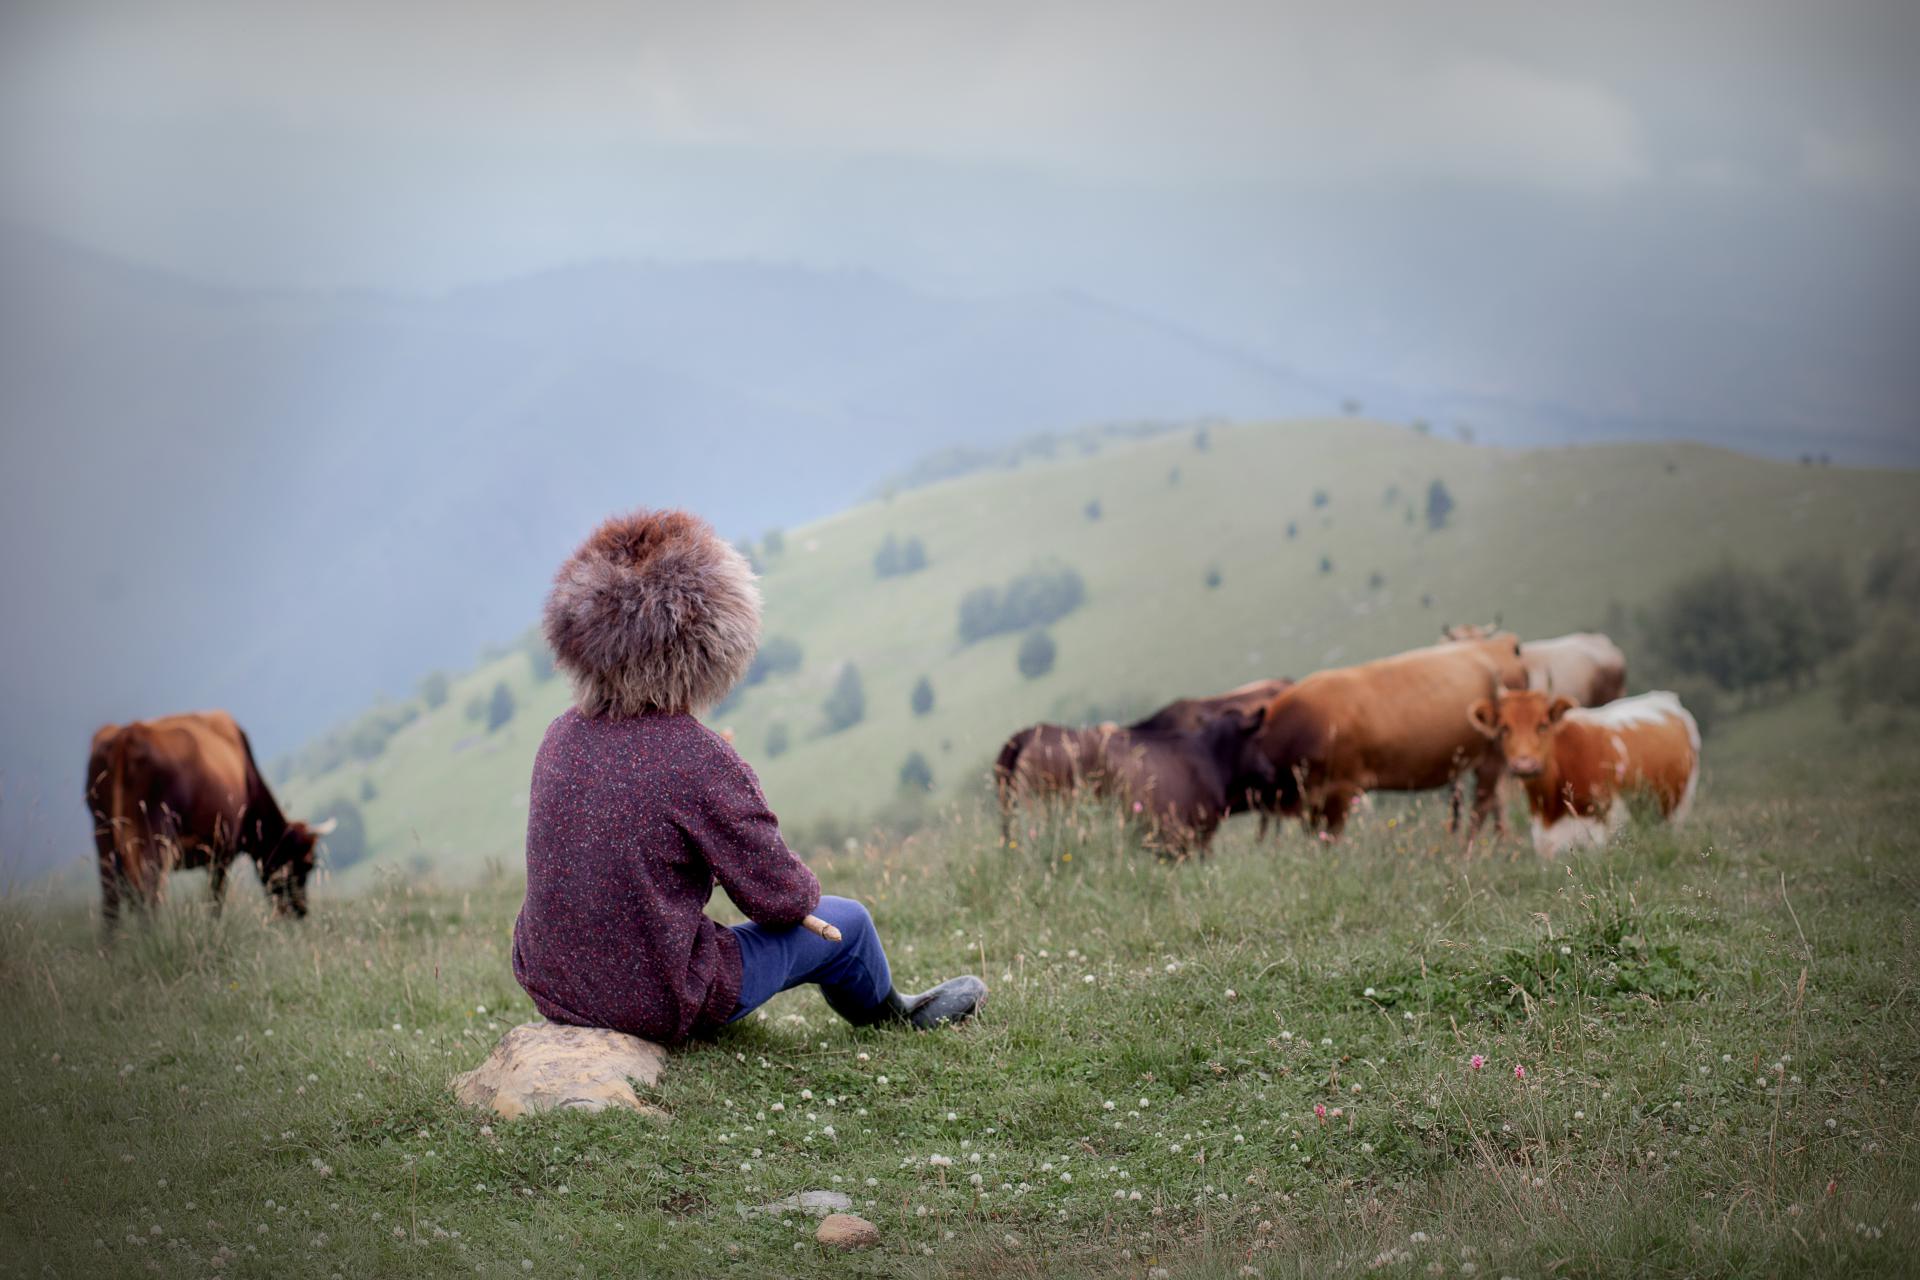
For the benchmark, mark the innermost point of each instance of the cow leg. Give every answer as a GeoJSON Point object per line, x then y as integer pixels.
{"type": "Point", "coordinates": [1334, 807]}
{"type": "Point", "coordinates": [1486, 792]}
{"type": "Point", "coordinates": [110, 882]}
{"type": "Point", "coordinates": [217, 869]}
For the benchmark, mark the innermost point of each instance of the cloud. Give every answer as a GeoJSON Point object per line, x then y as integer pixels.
{"type": "Point", "coordinates": [1855, 161]}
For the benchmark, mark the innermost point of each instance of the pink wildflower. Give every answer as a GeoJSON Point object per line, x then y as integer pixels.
{"type": "Point", "coordinates": [1477, 1061]}
{"type": "Point", "coordinates": [1320, 1110]}
{"type": "Point", "coordinates": [1519, 1072]}
{"type": "Point", "coordinates": [1137, 806]}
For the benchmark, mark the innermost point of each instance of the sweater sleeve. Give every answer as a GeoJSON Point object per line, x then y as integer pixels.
{"type": "Point", "coordinates": [741, 840]}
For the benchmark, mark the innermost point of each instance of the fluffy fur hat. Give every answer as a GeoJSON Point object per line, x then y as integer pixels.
{"type": "Point", "coordinates": [654, 612]}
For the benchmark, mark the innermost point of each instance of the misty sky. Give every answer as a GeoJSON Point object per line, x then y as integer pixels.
{"type": "Point", "coordinates": [424, 144]}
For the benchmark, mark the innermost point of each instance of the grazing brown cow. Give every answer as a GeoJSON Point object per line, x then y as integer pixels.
{"type": "Point", "coordinates": [1583, 665]}
{"type": "Point", "coordinates": [184, 792]}
{"type": "Point", "coordinates": [1181, 782]}
{"type": "Point", "coordinates": [1388, 725]}
{"type": "Point", "coordinates": [1579, 765]}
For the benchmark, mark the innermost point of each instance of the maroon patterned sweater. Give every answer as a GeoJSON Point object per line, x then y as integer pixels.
{"type": "Point", "coordinates": [630, 822]}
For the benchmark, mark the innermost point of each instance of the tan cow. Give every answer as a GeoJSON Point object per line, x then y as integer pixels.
{"type": "Point", "coordinates": [1579, 765]}
{"type": "Point", "coordinates": [1583, 665]}
{"type": "Point", "coordinates": [1393, 724]}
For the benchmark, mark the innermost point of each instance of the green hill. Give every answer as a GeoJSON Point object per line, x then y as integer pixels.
{"type": "Point", "coordinates": [1548, 539]}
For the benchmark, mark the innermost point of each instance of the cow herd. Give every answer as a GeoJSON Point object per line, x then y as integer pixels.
{"type": "Point", "coordinates": [185, 791]}
{"type": "Point", "coordinates": [1480, 704]}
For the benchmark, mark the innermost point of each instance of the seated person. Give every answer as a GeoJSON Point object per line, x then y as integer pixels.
{"type": "Point", "coordinates": [637, 808]}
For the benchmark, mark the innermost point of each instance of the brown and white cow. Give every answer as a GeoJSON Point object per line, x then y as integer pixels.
{"type": "Point", "coordinates": [1181, 783]}
{"type": "Point", "coordinates": [1393, 724]}
{"type": "Point", "coordinates": [182, 792]}
{"type": "Point", "coordinates": [1583, 665]}
{"type": "Point", "coordinates": [1580, 765]}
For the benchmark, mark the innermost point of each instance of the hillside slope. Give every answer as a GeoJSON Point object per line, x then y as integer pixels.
{"type": "Point", "coordinates": [1547, 539]}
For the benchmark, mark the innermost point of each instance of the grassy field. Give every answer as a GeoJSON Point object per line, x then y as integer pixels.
{"type": "Point", "coordinates": [1547, 538]}
{"type": "Point", "coordinates": [1716, 1027]}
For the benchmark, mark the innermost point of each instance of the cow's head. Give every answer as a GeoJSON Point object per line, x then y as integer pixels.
{"type": "Point", "coordinates": [289, 866]}
{"type": "Point", "coordinates": [1523, 722]}
{"type": "Point", "coordinates": [1232, 740]}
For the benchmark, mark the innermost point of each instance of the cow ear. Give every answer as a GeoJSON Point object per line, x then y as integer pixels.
{"type": "Point", "coordinates": [1256, 717]}
{"type": "Point", "coordinates": [1481, 714]}
{"type": "Point", "coordinates": [1559, 707]}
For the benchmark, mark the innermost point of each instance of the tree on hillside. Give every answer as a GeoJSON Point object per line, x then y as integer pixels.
{"type": "Point", "coordinates": [540, 659]}
{"type": "Point", "coordinates": [1293, 530]}
{"type": "Point", "coordinates": [1439, 505]}
{"type": "Point", "coordinates": [500, 706]}
{"type": "Point", "coordinates": [1321, 498]}
{"type": "Point", "coordinates": [1202, 440]}
{"type": "Point", "coordinates": [773, 542]}
{"type": "Point", "coordinates": [1173, 477]}
{"type": "Point", "coordinates": [745, 547]}
{"type": "Point", "coordinates": [913, 555]}
{"type": "Point", "coordinates": [1326, 564]}
{"type": "Point", "coordinates": [368, 790]}
{"type": "Point", "coordinates": [886, 561]}
{"type": "Point", "coordinates": [434, 689]}
{"type": "Point", "coordinates": [777, 741]}
{"type": "Point", "coordinates": [1032, 599]}
{"type": "Point", "coordinates": [1739, 628]}
{"type": "Point", "coordinates": [846, 705]}
{"type": "Point", "coordinates": [921, 700]}
{"type": "Point", "coordinates": [1821, 586]}
{"type": "Point", "coordinates": [476, 708]}
{"type": "Point", "coordinates": [915, 773]}
{"type": "Point", "coordinates": [777, 655]}
{"type": "Point", "coordinates": [1213, 578]}
{"type": "Point", "coordinates": [1036, 654]}
{"type": "Point", "coordinates": [1092, 509]}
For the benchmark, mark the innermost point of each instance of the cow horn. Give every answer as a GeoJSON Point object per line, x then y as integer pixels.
{"type": "Point", "coordinates": [326, 828]}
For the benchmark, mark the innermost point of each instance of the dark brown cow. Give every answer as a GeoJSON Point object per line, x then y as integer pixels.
{"type": "Point", "coordinates": [1191, 713]}
{"type": "Point", "coordinates": [1395, 724]}
{"type": "Point", "coordinates": [1181, 782]}
{"type": "Point", "coordinates": [183, 792]}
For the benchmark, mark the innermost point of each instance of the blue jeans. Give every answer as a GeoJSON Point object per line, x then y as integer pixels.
{"type": "Point", "coordinates": [773, 960]}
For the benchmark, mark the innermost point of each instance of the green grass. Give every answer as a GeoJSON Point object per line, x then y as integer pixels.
{"type": "Point", "coordinates": [238, 1098]}
{"type": "Point", "coordinates": [1546, 538]}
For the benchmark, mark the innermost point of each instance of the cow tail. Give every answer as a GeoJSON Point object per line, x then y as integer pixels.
{"type": "Point", "coordinates": [1003, 779]}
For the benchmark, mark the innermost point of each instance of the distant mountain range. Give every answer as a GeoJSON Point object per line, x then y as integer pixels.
{"type": "Point", "coordinates": [283, 502]}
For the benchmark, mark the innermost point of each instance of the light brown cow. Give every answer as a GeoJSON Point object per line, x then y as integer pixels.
{"type": "Point", "coordinates": [1579, 765]}
{"type": "Point", "coordinates": [1389, 725]}
{"type": "Point", "coordinates": [182, 792]}
{"type": "Point", "coordinates": [1583, 665]}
